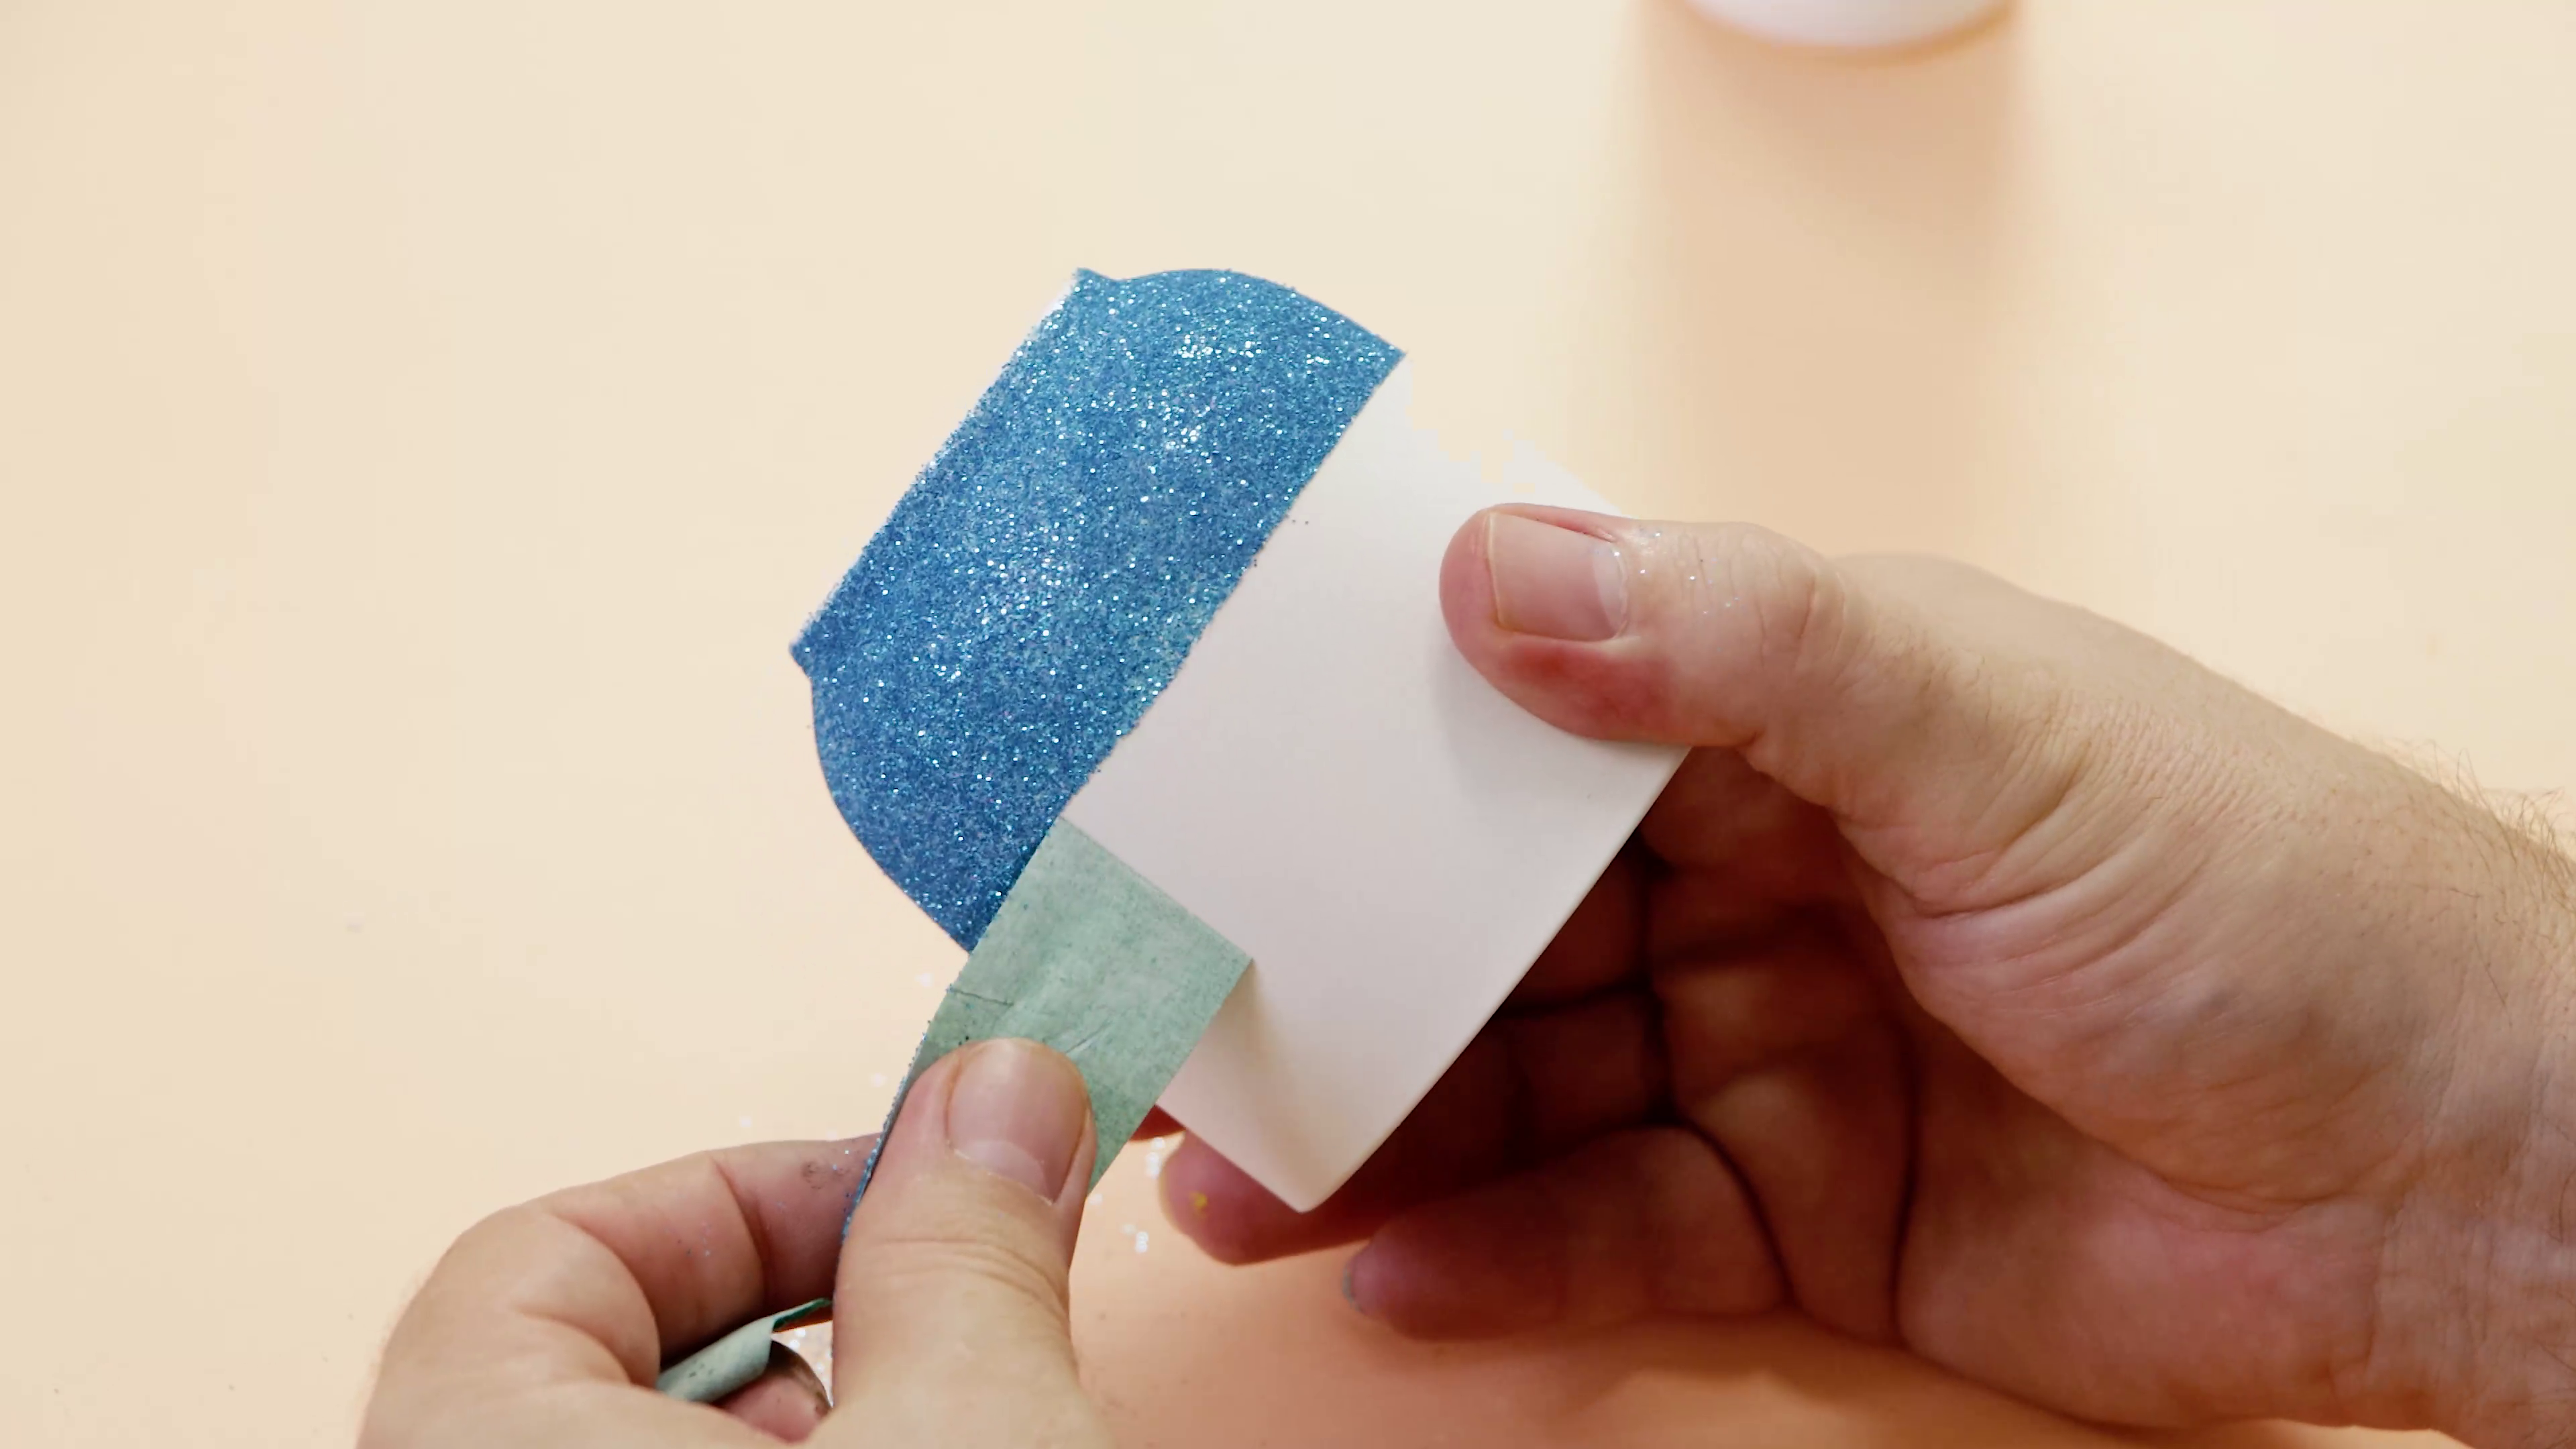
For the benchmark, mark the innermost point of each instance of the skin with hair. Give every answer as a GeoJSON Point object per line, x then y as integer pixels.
{"type": "Point", "coordinates": [1990, 980]}
{"type": "Point", "coordinates": [1995, 981]}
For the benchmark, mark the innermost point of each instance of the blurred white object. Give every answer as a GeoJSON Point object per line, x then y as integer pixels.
{"type": "Point", "coordinates": [1849, 24]}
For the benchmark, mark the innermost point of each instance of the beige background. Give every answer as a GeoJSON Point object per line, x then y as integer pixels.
{"type": "Point", "coordinates": [422, 428]}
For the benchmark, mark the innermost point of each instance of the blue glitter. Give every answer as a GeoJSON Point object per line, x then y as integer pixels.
{"type": "Point", "coordinates": [1046, 574]}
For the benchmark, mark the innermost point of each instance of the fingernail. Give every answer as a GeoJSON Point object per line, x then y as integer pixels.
{"type": "Point", "coordinates": [1351, 1285]}
{"type": "Point", "coordinates": [1554, 582]}
{"type": "Point", "coordinates": [786, 1402]}
{"type": "Point", "coordinates": [1017, 1110]}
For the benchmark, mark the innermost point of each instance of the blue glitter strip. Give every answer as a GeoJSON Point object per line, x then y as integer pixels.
{"type": "Point", "coordinates": [1046, 574]}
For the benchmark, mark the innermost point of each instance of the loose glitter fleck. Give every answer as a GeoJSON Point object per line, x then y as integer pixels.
{"type": "Point", "coordinates": [1046, 574]}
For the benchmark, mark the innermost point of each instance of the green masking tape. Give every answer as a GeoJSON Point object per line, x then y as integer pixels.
{"type": "Point", "coordinates": [733, 1361]}
{"type": "Point", "coordinates": [1092, 959]}
{"type": "Point", "coordinates": [1088, 957]}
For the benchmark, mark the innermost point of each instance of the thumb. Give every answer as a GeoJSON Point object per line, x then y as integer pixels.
{"type": "Point", "coordinates": [951, 1323]}
{"type": "Point", "coordinates": [1856, 686]}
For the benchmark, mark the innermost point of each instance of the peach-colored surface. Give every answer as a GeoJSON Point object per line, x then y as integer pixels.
{"type": "Point", "coordinates": [423, 426]}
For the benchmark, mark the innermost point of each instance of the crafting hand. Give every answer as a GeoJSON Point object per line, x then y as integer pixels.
{"type": "Point", "coordinates": [1994, 980]}
{"type": "Point", "coordinates": [545, 1325]}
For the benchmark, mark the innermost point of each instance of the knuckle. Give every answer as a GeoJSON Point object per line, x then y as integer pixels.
{"type": "Point", "coordinates": [1746, 613]}
{"type": "Point", "coordinates": [491, 1238]}
{"type": "Point", "coordinates": [1780, 592]}
{"type": "Point", "coordinates": [1019, 1270]}
{"type": "Point", "coordinates": [1808, 619]}
{"type": "Point", "coordinates": [1696, 1221]}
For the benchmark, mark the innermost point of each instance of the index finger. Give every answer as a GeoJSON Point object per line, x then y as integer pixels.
{"type": "Point", "coordinates": [598, 1284]}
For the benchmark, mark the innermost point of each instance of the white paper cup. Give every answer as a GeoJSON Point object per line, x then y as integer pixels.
{"type": "Point", "coordinates": [1849, 24]}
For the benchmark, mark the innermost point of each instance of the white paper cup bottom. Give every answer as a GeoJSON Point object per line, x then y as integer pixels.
{"type": "Point", "coordinates": [1849, 24]}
